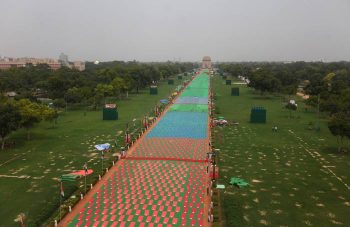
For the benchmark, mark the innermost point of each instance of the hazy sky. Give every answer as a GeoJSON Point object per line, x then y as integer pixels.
{"type": "Point", "coordinates": [158, 30]}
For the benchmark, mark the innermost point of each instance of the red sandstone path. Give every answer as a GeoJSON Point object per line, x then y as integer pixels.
{"type": "Point", "coordinates": [76, 209]}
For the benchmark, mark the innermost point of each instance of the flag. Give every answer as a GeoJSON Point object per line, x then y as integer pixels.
{"type": "Point", "coordinates": [62, 191]}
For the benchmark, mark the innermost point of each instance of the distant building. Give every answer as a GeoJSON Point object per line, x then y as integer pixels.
{"type": "Point", "coordinates": [206, 62]}
{"type": "Point", "coordinates": [63, 58]}
{"type": "Point", "coordinates": [79, 65]}
{"type": "Point", "coordinates": [7, 63]}
{"type": "Point", "coordinates": [10, 94]}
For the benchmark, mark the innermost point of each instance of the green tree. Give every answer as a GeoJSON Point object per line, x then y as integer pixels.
{"type": "Point", "coordinates": [118, 84]}
{"type": "Point", "coordinates": [50, 115]}
{"type": "Point", "coordinates": [74, 95]}
{"type": "Point", "coordinates": [339, 125]}
{"type": "Point", "coordinates": [30, 114]}
{"type": "Point", "coordinates": [129, 83]}
{"type": "Point", "coordinates": [59, 103]}
{"type": "Point", "coordinates": [102, 91]}
{"type": "Point", "coordinates": [10, 119]}
{"type": "Point", "coordinates": [263, 81]}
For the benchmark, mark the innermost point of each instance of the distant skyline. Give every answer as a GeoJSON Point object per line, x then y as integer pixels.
{"type": "Point", "coordinates": [186, 30]}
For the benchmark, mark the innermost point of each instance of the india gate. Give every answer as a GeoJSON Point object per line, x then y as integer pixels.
{"type": "Point", "coordinates": [206, 62]}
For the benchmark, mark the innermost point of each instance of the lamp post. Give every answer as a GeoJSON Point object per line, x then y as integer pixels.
{"type": "Point", "coordinates": [214, 163]}
{"type": "Point", "coordinates": [102, 157]}
{"type": "Point", "coordinates": [61, 187]}
{"type": "Point", "coordinates": [318, 112]}
{"type": "Point", "coordinates": [85, 172]}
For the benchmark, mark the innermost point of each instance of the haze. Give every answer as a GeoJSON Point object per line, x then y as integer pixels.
{"type": "Point", "coordinates": [186, 30]}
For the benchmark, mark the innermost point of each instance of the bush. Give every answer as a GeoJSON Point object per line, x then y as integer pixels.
{"type": "Point", "coordinates": [59, 103]}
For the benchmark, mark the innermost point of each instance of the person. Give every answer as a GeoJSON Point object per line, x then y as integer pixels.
{"type": "Point", "coordinates": [274, 128]}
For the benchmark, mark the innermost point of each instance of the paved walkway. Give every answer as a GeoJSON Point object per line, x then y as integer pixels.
{"type": "Point", "coordinates": [163, 180]}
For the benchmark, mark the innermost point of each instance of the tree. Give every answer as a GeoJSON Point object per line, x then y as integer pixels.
{"type": "Point", "coordinates": [59, 103]}
{"type": "Point", "coordinates": [263, 81]}
{"type": "Point", "coordinates": [129, 83]}
{"type": "Point", "coordinates": [339, 125]}
{"type": "Point", "coordinates": [118, 86]}
{"type": "Point", "coordinates": [30, 114]}
{"type": "Point", "coordinates": [102, 91]}
{"type": "Point", "coordinates": [50, 115]}
{"type": "Point", "coordinates": [10, 119]}
{"type": "Point", "coordinates": [74, 95]}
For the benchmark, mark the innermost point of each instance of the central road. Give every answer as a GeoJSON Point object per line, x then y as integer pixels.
{"type": "Point", "coordinates": [163, 180]}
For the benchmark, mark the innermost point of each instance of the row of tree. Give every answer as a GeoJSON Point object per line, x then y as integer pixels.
{"type": "Point", "coordinates": [21, 114]}
{"type": "Point", "coordinates": [65, 85]}
{"type": "Point", "coordinates": [327, 84]}
{"type": "Point", "coordinates": [90, 86]}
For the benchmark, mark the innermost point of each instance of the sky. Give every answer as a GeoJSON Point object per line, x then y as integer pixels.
{"type": "Point", "coordinates": [181, 30]}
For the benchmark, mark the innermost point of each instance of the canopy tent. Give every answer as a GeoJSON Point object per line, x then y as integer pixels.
{"type": "Point", "coordinates": [82, 172]}
{"type": "Point", "coordinates": [164, 101]}
{"type": "Point", "coordinates": [238, 182]}
{"type": "Point", "coordinates": [69, 177]}
{"type": "Point", "coordinates": [220, 186]}
{"type": "Point", "coordinates": [101, 147]}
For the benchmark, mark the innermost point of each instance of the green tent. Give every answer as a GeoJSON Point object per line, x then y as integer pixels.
{"type": "Point", "coordinates": [68, 177]}
{"type": "Point", "coordinates": [238, 182]}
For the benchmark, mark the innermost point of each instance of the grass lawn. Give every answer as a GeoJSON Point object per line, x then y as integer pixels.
{"type": "Point", "coordinates": [296, 175]}
{"type": "Point", "coordinates": [29, 173]}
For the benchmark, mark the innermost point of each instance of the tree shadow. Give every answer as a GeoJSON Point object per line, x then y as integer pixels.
{"type": "Point", "coordinates": [334, 150]}
{"type": "Point", "coordinates": [262, 97]}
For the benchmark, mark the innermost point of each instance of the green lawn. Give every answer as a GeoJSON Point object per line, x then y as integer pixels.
{"type": "Point", "coordinates": [36, 165]}
{"type": "Point", "coordinates": [296, 175]}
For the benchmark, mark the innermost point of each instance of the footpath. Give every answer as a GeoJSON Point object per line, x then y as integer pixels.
{"type": "Point", "coordinates": [163, 181]}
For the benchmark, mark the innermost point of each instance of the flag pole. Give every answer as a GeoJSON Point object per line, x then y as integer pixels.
{"type": "Point", "coordinates": [61, 199]}
{"type": "Point", "coordinates": [85, 169]}
{"type": "Point", "coordinates": [85, 182]}
{"type": "Point", "coordinates": [102, 157]}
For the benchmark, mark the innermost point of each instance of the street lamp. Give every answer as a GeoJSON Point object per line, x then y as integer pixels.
{"type": "Point", "coordinates": [102, 157]}
{"type": "Point", "coordinates": [85, 172]}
